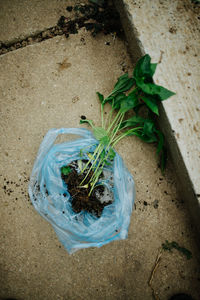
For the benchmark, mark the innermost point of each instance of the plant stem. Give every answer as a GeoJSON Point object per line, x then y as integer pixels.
{"type": "Point", "coordinates": [90, 160]}
{"type": "Point", "coordinates": [93, 164]}
{"type": "Point", "coordinates": [98, 170]}
{"type": "Point", "coordinates": [116, 129]}
{"type": "Point", "coordinates": [125, 134]}
{"type": "Point", "coordinates": [87, 147]}
{"type": "Point", "coordinates": [99, 163]}
{"type": "Point", "coordinates": [113, 122]}
{"type": "Point", "coordinates": [97, 177]}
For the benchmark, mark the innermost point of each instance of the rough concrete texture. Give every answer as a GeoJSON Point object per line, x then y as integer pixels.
{"type": "Point", "coordinates": [169, 32]}
{"type": "Point", "coordinates": [23, 18]}
{"type": "Point", "coordinates": [50, 85]}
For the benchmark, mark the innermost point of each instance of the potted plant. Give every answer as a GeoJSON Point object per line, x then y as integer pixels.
{"type": "Point", "coordinates": [82, 187]}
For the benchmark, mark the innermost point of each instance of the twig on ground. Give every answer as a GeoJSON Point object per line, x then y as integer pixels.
{"type": "Point", "coordinates": [158, 258]}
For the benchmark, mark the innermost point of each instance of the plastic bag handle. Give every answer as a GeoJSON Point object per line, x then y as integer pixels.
{"type": "Point", "coordinates": [78, 131]}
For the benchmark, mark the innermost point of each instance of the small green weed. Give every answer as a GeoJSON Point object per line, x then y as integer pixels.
{"type": "Point", "coordinates": [167, 246]}
{"type": "Point", "coordinates": [66, 170]}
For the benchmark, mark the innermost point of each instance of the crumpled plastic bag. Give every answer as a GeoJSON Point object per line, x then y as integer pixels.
{"type": "Point", "coordinates": [46, 188]}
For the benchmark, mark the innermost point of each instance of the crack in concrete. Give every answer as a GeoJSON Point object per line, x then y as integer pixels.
{"type": "Point", "coordinates": [98, 19]}
{"type": "Point", "coordinates": [32, 39]}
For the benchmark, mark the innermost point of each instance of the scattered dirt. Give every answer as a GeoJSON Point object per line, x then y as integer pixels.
{"type": "Point", "coordinates": [79, 195]}
{"type": "Point", "coordinates": [95, 18]}
{"type": "Point", "coordinates": [155, 204]}
{"type": "Point", "coordinates": [17, 188]}
{"type": "Point", "coordinates": [172, 30]}
{"type": "Point", "coordinates": [92, 17]}
{"type": "Point", "coordinates": [75, 99]}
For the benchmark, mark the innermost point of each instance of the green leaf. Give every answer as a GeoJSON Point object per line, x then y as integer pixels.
{"type": "Point", "coordinates": [145, 138]}
{"type": "Point", "coordinates": [105, 140]}
{"type": "Point", "coordinates": [147, 134]}
{"type": "Point", "coordinates": [99, 132]}
{"type": "Point", "coordinates": [123, 84]}
{"type": "Point", "coordinates": [151, 103]}
{"type": "Point", "coordinates": [143, 67]}
{"type": "Point", "coordinates": [103, 154]}
{"type": "Point", "coordinates": [101, 135]}
{"type": "Point", "coordinates": [153, 69]}
{"type": "Point", "coordinates": [90, 122]}
{"type": "Point", "coordinates": [160, 142]}
{"type": "Point", "coordinates": [154, 90]}
{"type": "Point", "coordinates": [65, 170]}
{"type": "Point", "coordinates": [101, 97]}
{"type": "Point", "coordinates": [117, 100]}
{"type": "Point", "coordinates": [107, 163]}
{"type": "Point", "coordinates": [133, 96]}
{"type": "Point", "coordinates": [126, 104]}
{"type": "Point", "coordinates": [143, 74]}
{"type": "Point", "coordinates": [111, 154]}
{"type": "Point", "coordinates": [132, 122]}
{"type": "Point", "coordinates": [149, 128]}
{"type": "Point", "coordinates": [109, 100]}
{"type": "Point", "coordinates": [164, 93]}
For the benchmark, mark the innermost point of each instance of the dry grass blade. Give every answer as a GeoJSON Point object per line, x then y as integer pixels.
{"type": "Point", "coordinates": [158, 258]}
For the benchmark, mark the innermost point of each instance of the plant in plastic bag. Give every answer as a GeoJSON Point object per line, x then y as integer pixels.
{"type": "Point", "coordinates": [47, 189]}
{"type": "Point", "coordinates": [82, 230]}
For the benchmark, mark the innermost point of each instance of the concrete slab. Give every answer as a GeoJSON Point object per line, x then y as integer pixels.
{"type": "Point", "coordinates": [169, 32]}
{"type": "Point", "coordinates": [50, 85]}
{"type": "Point", "coordinates": [23, 18]}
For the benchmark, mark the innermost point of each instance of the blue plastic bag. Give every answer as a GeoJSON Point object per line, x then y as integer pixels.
{"type": "Point", "coordinates": [46, 188]}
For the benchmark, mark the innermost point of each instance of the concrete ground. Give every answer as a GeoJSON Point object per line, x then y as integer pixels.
{"type": "Point", "coordinates": [51, 84]}
{"type": "Point", "coordinates": [170, 33]}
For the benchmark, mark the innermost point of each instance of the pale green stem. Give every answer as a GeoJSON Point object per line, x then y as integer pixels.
{"type": "Point", "coordinates": [96, 179]}
{"type": "Point", "coordinates": [99, 163]}
{"type": "Point", "coordinates": [117, 127]}
{"type": "Point", "coordinates": [114, 121]}
{"type": "Point", "coordinates": [110, 142]}
{"type": "Point", "coordinates": [124, 135]}
{"type": "Point", "coordinates": [96, 150]}
{"type": "Point", "coordinates": [87, 147]}
{"type": "Point", "coordinates": [93, 163]}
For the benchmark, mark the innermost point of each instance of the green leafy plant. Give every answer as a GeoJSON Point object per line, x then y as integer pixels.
{"type": "Point", "coordinates": [130, 94]}
{"type": "Point", "coordinates": [66, 170]}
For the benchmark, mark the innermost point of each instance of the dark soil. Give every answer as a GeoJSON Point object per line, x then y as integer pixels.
{"type": "Point", "coordinates": [79, 196]}
{"type": "Point", "coordinates": [95, 17]}
{"type": "Point", "coordinates": [99, 16]}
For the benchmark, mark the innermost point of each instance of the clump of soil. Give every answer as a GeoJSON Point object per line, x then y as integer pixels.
{"type": "Point", "coordinates": [80, 199]}
{"type": "Point", "coordinates": [95, 17]}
